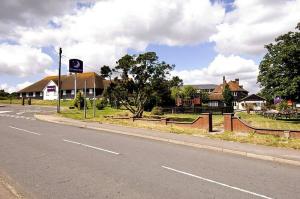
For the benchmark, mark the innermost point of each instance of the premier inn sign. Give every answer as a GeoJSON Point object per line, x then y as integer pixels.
{"type": "Point", "coordinates": [75, 66]}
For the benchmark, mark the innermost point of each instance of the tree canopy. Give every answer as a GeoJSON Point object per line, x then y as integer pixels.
{"type": "Point", "coordinates": [279, 71]}
{"type": "Point", "coordinates": [139, 79]}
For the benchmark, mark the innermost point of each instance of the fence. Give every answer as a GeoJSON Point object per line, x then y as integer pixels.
{"type": "Point", "coordinates": [197, 110]}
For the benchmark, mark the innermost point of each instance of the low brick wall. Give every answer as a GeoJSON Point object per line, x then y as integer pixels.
{"type": "Point", "coordinates": [232, 123]}
{"type": "Point", "coordinates": [204, 121]}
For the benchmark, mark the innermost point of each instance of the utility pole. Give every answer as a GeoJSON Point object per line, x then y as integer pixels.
{"type": "Point", "coordinates": [84, 99]}
{"type": "Point", "coordinates": [59, 83]}
{"type": "Point", "coordinates": [94, 104]}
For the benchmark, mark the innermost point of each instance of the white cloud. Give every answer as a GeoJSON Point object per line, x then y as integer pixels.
{"type": "Point", "coordinates": [231, 66]}
{"type": "Point", "coordinates": [50, 72]}
{"type": "Point", "coordinates": [22, 60]}
{"type": "Point", "coordinates": [253, 24]}
{"type": "Point", "coordinates": [101, 34]}
{"type": "Point", "coordinates": [11, 89]}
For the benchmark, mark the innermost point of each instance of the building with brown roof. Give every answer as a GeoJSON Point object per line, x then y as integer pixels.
{"type": "Point", "coordinates": [47, 88]}
{"type": "Point", "coordinates": [216, 97]}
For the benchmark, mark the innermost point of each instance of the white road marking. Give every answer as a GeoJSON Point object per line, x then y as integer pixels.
{"type": "Point", "coordinates": [24, 130]}
{"type": "Point", "coordinates": [89, 146]}
{"type": "Point", "coordinates": [20, 113]}
{"type": "Point", "coordinates": [215, 182]}
{"type": "Point", "coordinates": [5, 112]}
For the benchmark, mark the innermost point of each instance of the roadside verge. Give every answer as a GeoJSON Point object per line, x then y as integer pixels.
{"type": "Point", "coordinates": [279, 155]}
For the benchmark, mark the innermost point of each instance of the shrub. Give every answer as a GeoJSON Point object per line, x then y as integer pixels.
{"type": "Point", "coordinates": [79, 101]}
{"type": "Point", "coordinates": [282, 105]}
{"type": "Point", "coordinates": [100, 104]}
{"type": "Point", "coordinates": [157, 110]}
{"type": "Point", "coordinates": [249, 107]}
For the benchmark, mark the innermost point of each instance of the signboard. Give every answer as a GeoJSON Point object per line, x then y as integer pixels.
{"type": "Point", "coordinates": [75, 66]}
{"type": "Point", "coordinates": [51, 88]}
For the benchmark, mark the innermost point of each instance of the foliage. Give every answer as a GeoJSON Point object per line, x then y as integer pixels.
{"type": "Point", "coordinates": [279, 71]}
{"type": "Point", "coordinates": [189, 92]}
{"type": "Point", "coordinates": [139, 79]}
{"type": "Point", "coordinates": [157, 110]}
{"type": "Point", "coordinates": [227, 95]}
{"type": "Point", "coordinates": [176, 92]}
{"type": "Point", "coordinates": [78, 101]}
{"type": "Point", "coordinates": [204, 96]}
{"type": "Point", "coordinates": [101, 103]}
{"type": "Point", "coordinates": [283, 105]}
{"type": "Point", "coordinates": [4, 94]}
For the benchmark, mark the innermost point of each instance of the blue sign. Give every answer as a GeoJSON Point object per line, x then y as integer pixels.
{"type": "Point", "coordinates": [75, 66]}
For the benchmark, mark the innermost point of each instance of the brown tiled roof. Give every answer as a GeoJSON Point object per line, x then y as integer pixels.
{"type": "Point", "coordinates": [233, 86]}
{"type": "Point", "coordinates": [67, 82]}
{"type": "Point", "coordinates": [215, 96]}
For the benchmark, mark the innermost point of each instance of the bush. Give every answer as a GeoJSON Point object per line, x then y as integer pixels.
{"type": "Point", "coordinates": [100, 104]}
{"type": "Point", "coordinates": [282, 105]}
{"type": "Point", "coordinates": [249, 107]}
{"type": "Point", "coordinates": [157, 110]}
{"type": "Point", "coordinates": [78, 101]}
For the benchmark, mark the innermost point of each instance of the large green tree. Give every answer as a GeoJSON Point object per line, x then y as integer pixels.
{"type": "Point", "coordinates": [279, 71]}
{"type": "Point", "coordinates": [138, 79]}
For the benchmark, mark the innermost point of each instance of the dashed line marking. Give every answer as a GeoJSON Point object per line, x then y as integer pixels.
{"type": "Point", "coordinates": [23, 130]}
{"type": "Point", "coordinates": [92, 147]}
{"type": "Point", "coordinates": [215, 182]}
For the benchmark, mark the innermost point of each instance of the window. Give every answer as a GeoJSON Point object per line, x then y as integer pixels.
{"type": "Point", "coordinates": [27, 94]}
{"type": "Point", "coordinates": [72, 92]}
{"type": "Point", "coordinates": [41, 94]}
{"type": "Point", "coordinates": [213, 103]}
{"type": "Point", "coordinates": [234, 93]}
{"type": "Point", "coordinates": [20, 94]}
{"type": "Point", "coordinates": [90, 91]}
{"type": "Point", "coordinates": [33, 95]}
{"type": "Point", "coordinates": [64, 92]}
{"type": "Point", "coordinates": [234, 103]}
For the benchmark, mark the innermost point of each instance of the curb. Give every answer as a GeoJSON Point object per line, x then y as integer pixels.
{"type": "Point", "coordinates": [200, 146]}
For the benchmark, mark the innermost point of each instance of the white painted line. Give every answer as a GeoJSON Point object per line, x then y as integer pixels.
{"type": "Point", "coordinates": [20, 113]}
{"type": "Point", "coordinates": [215, 182]}
{"type": "Point", "coordinates": [24, 130]}
{"type": "Point", "coordinates": [89, 146]}
{"type": "Point", "coordinates": [5, 112]}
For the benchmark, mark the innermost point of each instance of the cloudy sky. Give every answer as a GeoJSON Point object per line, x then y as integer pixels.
{"type": "Point", "coordinates": [205, 39]}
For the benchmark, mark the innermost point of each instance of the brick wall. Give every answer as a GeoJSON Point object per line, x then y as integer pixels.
{"type": "Point", "coordinates": [204, 121]}
{"type": "Point", "coordinates": [232, 123]}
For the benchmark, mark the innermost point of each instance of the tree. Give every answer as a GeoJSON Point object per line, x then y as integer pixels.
{"type": "Point", "coordinates": [137, 80]}
{"type": "Point", "coordinates": [279, 71]}
{"type": "Point", "coordinates": [227, 95]}
{"type": "Point", "coordinates": [3, 93]}
{"type": "Point", "coordinates": [204, 96]}
{"type": "Point", "coordinates": [189, 92]}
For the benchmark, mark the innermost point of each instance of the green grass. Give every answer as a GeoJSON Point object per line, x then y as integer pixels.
{"type": "Point", "coordinates": [66, 103]}
{"type": "Point", "coordinates": [253, 138]}
{"type": "Point", "coordinates": [263, 122]}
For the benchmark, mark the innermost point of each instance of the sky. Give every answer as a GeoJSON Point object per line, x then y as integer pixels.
{"type": "Point", "coordinates": [205, 39]}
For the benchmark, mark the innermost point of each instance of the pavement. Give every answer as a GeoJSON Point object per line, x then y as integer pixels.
{"type": "Point", "coordinates": [54, 160]}
{"type": "Point", "coordinates": [282, 155]}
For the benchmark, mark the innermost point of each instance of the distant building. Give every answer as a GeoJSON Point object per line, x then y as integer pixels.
{"type": "Point", "coordinates": [208, 88]}
{"type": "Point", "coordinates": [216, 96]}
{"type": "Point", "coordinates": [47, 88]}
{"type": "Point", "coordinates": [253, 100]}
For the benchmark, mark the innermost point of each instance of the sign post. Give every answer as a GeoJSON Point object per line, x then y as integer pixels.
{"type": "Point", "coordinates": [75, 66]}
{"type": "Point", "coordinates": [84, 99]}
{"type": "Point", "coordinates": [94, 104]}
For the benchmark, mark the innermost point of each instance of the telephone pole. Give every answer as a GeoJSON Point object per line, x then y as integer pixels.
{"type": "Point", "coordinates": [59, 83]}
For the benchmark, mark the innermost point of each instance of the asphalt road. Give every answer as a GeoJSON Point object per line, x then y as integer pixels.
{"type": "Point", "coordinates": [47, 160]}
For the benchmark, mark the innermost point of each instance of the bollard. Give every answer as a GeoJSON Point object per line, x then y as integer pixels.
{"type": "Point", "coordinates": [23, 101]}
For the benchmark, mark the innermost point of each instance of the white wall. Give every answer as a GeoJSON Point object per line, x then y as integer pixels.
{"type": "Point", "coordinates": [257, 105]}
{"type": "Point", "coordinates": [50, 95]}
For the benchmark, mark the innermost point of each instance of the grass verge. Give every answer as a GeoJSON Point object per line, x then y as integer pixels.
{"type": "Point", "coordinates": [267, 140]}
{"type": "Point", "coordinates": [263, 122]}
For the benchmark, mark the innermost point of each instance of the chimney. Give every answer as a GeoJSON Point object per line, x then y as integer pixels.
{"type": "Point", "coordinates": [224, 80]}
{"type": "Point", "coordinates": [237, 80]}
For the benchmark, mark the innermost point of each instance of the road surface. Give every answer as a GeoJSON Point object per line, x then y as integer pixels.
{"type": "Point", "coordinates": [47, 160]}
